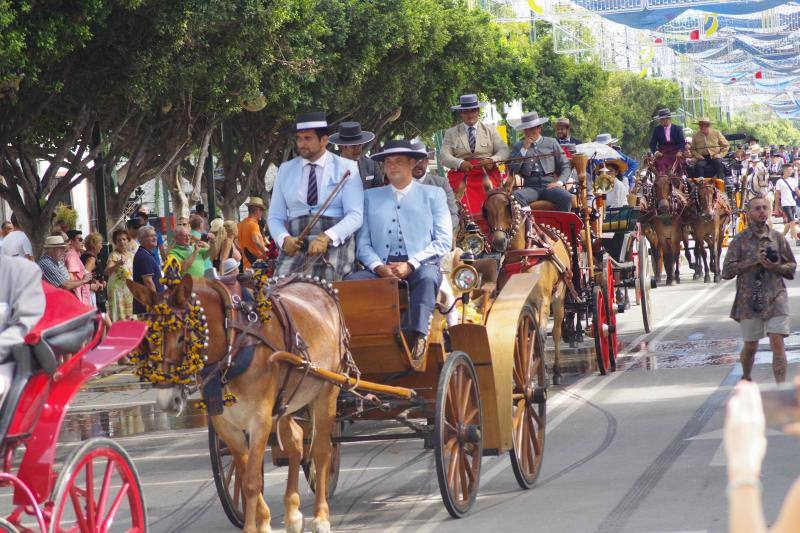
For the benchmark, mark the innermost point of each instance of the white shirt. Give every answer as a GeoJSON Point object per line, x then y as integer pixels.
{"type": "Point", "coordinates": [618, 197]}
{"type": "Point", "coordinates": [302, 192]}
{"type": "Point", "coordinates": [17, 244]}
{"type": "Point", "coordinates": [786, 186]}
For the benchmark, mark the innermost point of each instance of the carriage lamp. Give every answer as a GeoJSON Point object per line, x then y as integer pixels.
{"type": "Point", "coordinates": [465, 277]}
{"type": "Point", "coordinates": [473, 239]}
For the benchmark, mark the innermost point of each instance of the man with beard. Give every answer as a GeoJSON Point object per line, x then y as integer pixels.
{"type": "Point", "coordinates": [760, 259]}
{"type": "Point", "coordinates": [564, 132]}
{"type": "Point", "coordinates": [301, 188]}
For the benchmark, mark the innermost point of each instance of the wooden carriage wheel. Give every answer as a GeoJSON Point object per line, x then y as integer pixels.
{"type": "Point", "coordinates": [458, 439]}
{"type": "Point", "coordinates": [333, 471]}
{"type": "Point", "coordinates": [226, 478]}
{"type": "Point", "coordinates": [600, 329]}
{"type": "Point", "coordinates": [529, 401]}
{"type": "Point", "coordinates": [643, 275]}
{"type": "Point", "coordinates": [611, 311]}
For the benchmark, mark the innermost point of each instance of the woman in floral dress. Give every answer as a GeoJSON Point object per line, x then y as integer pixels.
{"type": "Point", "coordinates": [119, 269]}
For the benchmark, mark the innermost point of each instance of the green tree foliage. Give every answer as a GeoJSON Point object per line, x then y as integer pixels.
{"type": "Point", "coordinates": [764, 127]}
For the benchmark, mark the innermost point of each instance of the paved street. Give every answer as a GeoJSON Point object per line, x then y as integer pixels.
{"type": "Point", "coordinates": [636, 451]}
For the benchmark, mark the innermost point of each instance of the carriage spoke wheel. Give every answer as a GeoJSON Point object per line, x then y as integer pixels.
{"type": "Point", "coordinates": [333, 470]}
{"type": "Point", "coordinates": [643, 275]}
{"type": "Point", "coordinates": [98, 490]}
{"type": "Point", "coordinates": [600, 329]}
{"type": "Point", "coordinates": [611, 312]}
{"type": "Point", "coordinates": [227, 478]}
{"type": "Point", "coordinates": [458, 438]}
{"type": "Point", "coordinates": [529, 401]}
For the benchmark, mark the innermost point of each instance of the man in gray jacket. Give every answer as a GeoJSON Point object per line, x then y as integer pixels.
{"type": "Point", "coordinates": [351, 141]}
{"type": "Point", "coordinates": [21, 307]}
{"type": "Point", "coordinates": [423, 175]}
{"type": "Point", "coordinates": [545, 174]}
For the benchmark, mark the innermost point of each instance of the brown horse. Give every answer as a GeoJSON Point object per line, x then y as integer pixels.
{"type": "Point", "coordinates": [511, 230]}
{"type": "Point", "coordinates": [304, 318]}
{"type": "Point", "coordinates": [669, 222]}
{"type": "Point", "coordinates": [711, 217]}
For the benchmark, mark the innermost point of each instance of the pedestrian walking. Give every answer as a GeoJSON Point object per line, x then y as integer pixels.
{"type": "Point", "coordinates": [787, 188]}
{"type": "Point", "coordinates": [119, 269]}
{"type": "Point", "coordinates": [760, 259]}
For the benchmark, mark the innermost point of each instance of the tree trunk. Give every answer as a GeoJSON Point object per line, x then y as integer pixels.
{"type": "Point", "coordinates": [180, 202]}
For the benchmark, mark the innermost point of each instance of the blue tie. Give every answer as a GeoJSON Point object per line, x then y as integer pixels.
{"type": "Point", "coordinates": [311, 198]}
{"type": "Point", "coordinates": [471, 138]}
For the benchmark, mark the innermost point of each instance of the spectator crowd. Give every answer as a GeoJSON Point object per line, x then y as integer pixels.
{"type": "Point", "coordinates": [76, 262]}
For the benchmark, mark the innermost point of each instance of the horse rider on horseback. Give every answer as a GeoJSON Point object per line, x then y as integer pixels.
{"type": "Point", "coordinates": [707, 148]}
{"type": "Point", "coordinates": [666, 141]}
{"type": "Point", "coordinates": [406, 233]}
{"type": "Point", "coordinates": [470, 150]}
{"type": "Point", "coordinates": [546, 173]}
{"type": "Point", "coordinates": [301, 188]}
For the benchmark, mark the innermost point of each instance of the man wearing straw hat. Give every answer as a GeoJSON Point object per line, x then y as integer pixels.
{"type": "Point", "coordinates": [667, 140]}
{"type": "Point", "coordinates": [708, 146]}
{"type": "Point", "coordinates": [315, 242]}
{"type": "Point", "coordinates": [548, 168]}
{"type": "Point", "coordinates": [470, 150]}
{"type": "Point", "coordinates": [250, 238]}
{"type": "Point", "coordinates": [351, 141]}
{"type": "Point", "coordinates": [54, 271]}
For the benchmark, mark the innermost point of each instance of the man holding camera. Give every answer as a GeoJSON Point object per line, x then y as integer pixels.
{"type": "Point", "coordinates": [760, 258]}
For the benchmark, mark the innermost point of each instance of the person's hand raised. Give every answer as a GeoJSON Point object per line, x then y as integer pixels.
{"type": "Point", "coordinates": [745, 443]}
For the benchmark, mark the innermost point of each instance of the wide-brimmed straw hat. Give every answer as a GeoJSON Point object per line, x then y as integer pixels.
{"type": "Point", "coordinates": [229, 266]}
{"type": "Point", "coordinates": [399, 147]}
{"type": "Point", "coordinates": [255, 201]}
{"type": "Point", "coordinates": [350, 134]}
{"type": "Point", "coordinates": [468, 101]}
{"type": "Point", "coordinates": [530, 120]}
{"type": "Point", "coordinates": [619, 164]}
{"type": "Point", "coordinates": [54, 241]}
{"type": "Point", "coordinates": [704, 120]}
{"type": "Point", "coordinates": [563, 121]}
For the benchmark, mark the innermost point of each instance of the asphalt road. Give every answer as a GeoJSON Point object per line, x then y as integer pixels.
{"type": "Point", "coordinates": [639, 450]}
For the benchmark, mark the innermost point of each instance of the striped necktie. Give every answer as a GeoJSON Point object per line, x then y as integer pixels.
{"type": "Point", "coordinates": [471, 136]}
{"type": "Point", "coordinates": [311, 197]}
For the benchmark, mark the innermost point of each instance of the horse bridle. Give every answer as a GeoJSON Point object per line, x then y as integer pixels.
{"type": "Point", "coordinates": [516, 215]}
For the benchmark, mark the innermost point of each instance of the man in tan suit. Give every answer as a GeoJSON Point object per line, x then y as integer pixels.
{"type": "Point", "coordinates": [471, 150]}
{"type": "Point", "coordinates": [708, 146]}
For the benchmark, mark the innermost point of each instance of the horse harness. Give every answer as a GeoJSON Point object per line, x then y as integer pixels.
{"type": "Point", "coordinates": [243, 327]}
{"type": "Point", "coordinates": [538, 240]}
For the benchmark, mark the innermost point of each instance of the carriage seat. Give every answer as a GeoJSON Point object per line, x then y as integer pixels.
{"type": "Point", "coordinates": [544, 205]}
{"type": "Point", "coordinates": [62, 340]}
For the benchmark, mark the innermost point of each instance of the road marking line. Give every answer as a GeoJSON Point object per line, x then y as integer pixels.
{"type": "Point", "coordinates": [686, 310]}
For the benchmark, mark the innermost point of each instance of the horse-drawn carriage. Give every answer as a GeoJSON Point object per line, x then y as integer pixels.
{"type": "Point", "coordinates": [479, 389]}
{"type": "Point", "coordinates": [97, 485]}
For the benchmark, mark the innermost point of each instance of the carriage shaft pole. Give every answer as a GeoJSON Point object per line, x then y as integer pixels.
{"type": "Point", "coordinates": [343, 380]}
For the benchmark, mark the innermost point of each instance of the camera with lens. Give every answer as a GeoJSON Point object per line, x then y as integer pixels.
{"type": "Point", "coordinates": [771, 254]}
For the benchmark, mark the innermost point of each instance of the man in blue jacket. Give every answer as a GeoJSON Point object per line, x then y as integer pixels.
{"type": "Point", "coordinates": [301, 187]}
{"type": "Point", "coordinates": [406, 233]}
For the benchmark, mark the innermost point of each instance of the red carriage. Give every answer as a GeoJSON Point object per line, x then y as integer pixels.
{"type": "Point", "coordinates": [98, 486]}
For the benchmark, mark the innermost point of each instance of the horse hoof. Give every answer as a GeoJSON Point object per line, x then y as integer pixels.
{"type": "Point", "coordinates": [678, 281]}
{"type": "Point", "coordinates": [322, 526]}
{"type": "Point", "coordinates": [695, 277]}
{"type": "Point", "coordinates": [669, 282]}
{"type": "Point", "coordinates": [295, 524]}
{"type": "Point", "coordinates": [707, 279]}
{"type": "Point", "coordinates": [556, 379]}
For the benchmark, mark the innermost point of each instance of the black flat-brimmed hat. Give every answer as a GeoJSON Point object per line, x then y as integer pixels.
{"type": "Point", "coordinates": [398, 148]}
{"type": "Point", "coordinates": [312, 121]}
{"type": "Point", "coordinates": [350, 134]}
{"type": "Point", "coordinates": [468, 101]}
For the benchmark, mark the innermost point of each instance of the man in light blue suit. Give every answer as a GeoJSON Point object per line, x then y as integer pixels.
{"type": "Point", "coordinates": [406, 233]}
{"type": "Point", "coordinates": [302, 186]}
